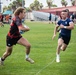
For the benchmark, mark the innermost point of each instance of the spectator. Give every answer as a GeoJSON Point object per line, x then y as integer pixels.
{"type": "Point", "coordinates": [73, 17]}
{"type": "Point", "coordinates": [1, 20]}
{"type": "Point", "coordinates": [49, 18]}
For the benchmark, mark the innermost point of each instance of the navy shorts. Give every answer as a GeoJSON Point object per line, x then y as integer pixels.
{"type": "Point", "coordinates": [11, 41]}
{"type": "Point", "coordinates": [65, 39]}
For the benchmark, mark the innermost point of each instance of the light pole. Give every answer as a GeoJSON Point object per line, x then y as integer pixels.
{"type": "Point", "coordinates": [0, 6]}
{"type": "Point", "coordinates": [23, 3]}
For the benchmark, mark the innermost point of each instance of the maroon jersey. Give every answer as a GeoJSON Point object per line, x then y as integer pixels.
{"type": "Point", "coordinates": [14, 31]}
{"type": "Point", "coordinates": [0, 17]}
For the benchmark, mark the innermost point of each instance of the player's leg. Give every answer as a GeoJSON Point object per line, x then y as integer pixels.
{"type": "Point", "coordinates": [25, 43]}
{"type": "Point", "coordinates": [60, 42]}
{"type": "Point", "coordinates": [66, 42]}
{"type": "Point", "coordinates": [6, 54]}
{"type": "Point", "coordinates": [64, 46]}
{"type": "Point", "coordinates": [0, 24]}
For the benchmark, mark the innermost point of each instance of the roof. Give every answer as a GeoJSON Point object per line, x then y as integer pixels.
{"type": "Point", "coordinates": [59, 9]}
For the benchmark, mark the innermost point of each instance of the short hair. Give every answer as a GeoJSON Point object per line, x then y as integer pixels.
{"type": "Point", "coordinates": [67, 10]}
{"type": "Point", "coordinates": [64, 10]}
{"type": "Point", "coordinates": [18, 11]}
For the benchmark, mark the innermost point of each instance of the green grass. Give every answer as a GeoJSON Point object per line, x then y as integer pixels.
{"type": "Point", "coordinates": [43, 51]}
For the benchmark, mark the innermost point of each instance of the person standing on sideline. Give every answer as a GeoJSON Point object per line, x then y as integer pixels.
{"type": "Point", "coordinates": [14, 37]}
{"type": "Point", "coordinates": [66, 25]}
{"type": "Point", "coordinates": [73, 17]}
{"type": "Point", "coordinates": [1, 20]}
{"type": "Point", "coordinates": [50, 18]}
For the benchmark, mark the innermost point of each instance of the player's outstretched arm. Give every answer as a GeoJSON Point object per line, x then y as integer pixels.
{"type": "Point", "coordinates": [55, 31]}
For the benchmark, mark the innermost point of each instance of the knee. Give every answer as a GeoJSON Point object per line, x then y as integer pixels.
{"type": "Point", "coordinates": [63, 49]}
{"type": "Point", "coordinates": [59, 45]}
{"type": "Point", "coordinates": [28, 46]}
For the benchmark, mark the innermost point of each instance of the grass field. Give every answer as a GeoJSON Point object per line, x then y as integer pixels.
{"type": "Point", "coordinates": [42, 51]}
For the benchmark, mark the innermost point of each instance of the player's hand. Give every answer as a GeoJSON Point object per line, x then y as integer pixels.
{"type": "Point", "coordinates": [53, 37]}
{"type": "Point", "coordinates": [61, 26]}
{"type": "Point", "coordinates": [26, 28]}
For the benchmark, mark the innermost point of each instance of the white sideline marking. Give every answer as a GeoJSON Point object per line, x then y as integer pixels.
{"type": "Point", "coordinates": [45, 66]}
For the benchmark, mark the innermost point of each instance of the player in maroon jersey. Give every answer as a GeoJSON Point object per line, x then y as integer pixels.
{"type": "Point", "coordinates": [14, 37]}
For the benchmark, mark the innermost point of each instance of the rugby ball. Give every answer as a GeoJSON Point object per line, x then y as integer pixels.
{"type": "Point", "coordinates": [21, 31]}
{"type": "Point", "coordinates": [26, 26]}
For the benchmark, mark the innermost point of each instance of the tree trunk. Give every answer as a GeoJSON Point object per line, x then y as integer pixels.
{"type": "Point", "coordinates": [75, 2]}
{"type": "Point", "coordinates": [49, 7]}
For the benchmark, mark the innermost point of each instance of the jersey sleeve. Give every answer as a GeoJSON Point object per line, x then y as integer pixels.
{"type": "Point", "coordinates": [70, 20]}
{"type": "Point", "coordinates": [59, 22]}
{"type": "Point", "coordinates": [18, 22]}
{"type": "Point", "coordinates": [72, 16]}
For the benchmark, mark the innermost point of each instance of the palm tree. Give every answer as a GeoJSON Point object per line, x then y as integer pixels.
{"type": "Point", "coordinates": [41, 5]}
{"type": "Point", "coordinates": [19, 3]}
{"type": "Point", "coordinates": [15, 4]}
{"type": "Point", "coordinates": [13, 7]}
{"type": "Point", "coordinates": [49, 3]}
{"type": "Point", "coordinates": [53, 5]}
{"type": "Point", "coordinates": [64, 3]}
{"type": "Point", "coordinates": [28, 9]}
{"type": "Point", "coordinates": [36, 4]}
{"type": "Point", "coordinates": [32, 6]}
{"type": "Point", "coordinates": [9, 8]}
{"type": "Point", "coordinates": [5, 8]}
{"type": "Point", "coordinates": [73, 2]}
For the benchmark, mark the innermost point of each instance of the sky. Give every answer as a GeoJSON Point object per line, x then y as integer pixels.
{"type": "Point", "coordinates": [28, 2]}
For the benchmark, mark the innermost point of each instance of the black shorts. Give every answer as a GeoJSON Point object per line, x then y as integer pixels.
{"type": "Point", "coordinates": [65, 39]}
{"type": "Point", "coordinates": [49, 19]}
{"type": "Point", "coordinates": [11, 41]}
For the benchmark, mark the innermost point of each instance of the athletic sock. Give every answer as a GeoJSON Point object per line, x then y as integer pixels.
{"type": "Point", "coordinates": [57, 55]}
{"type": "Point", "coordinates": [2, 59]}
{"type": "Point", "coordinates": [27, 56]}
